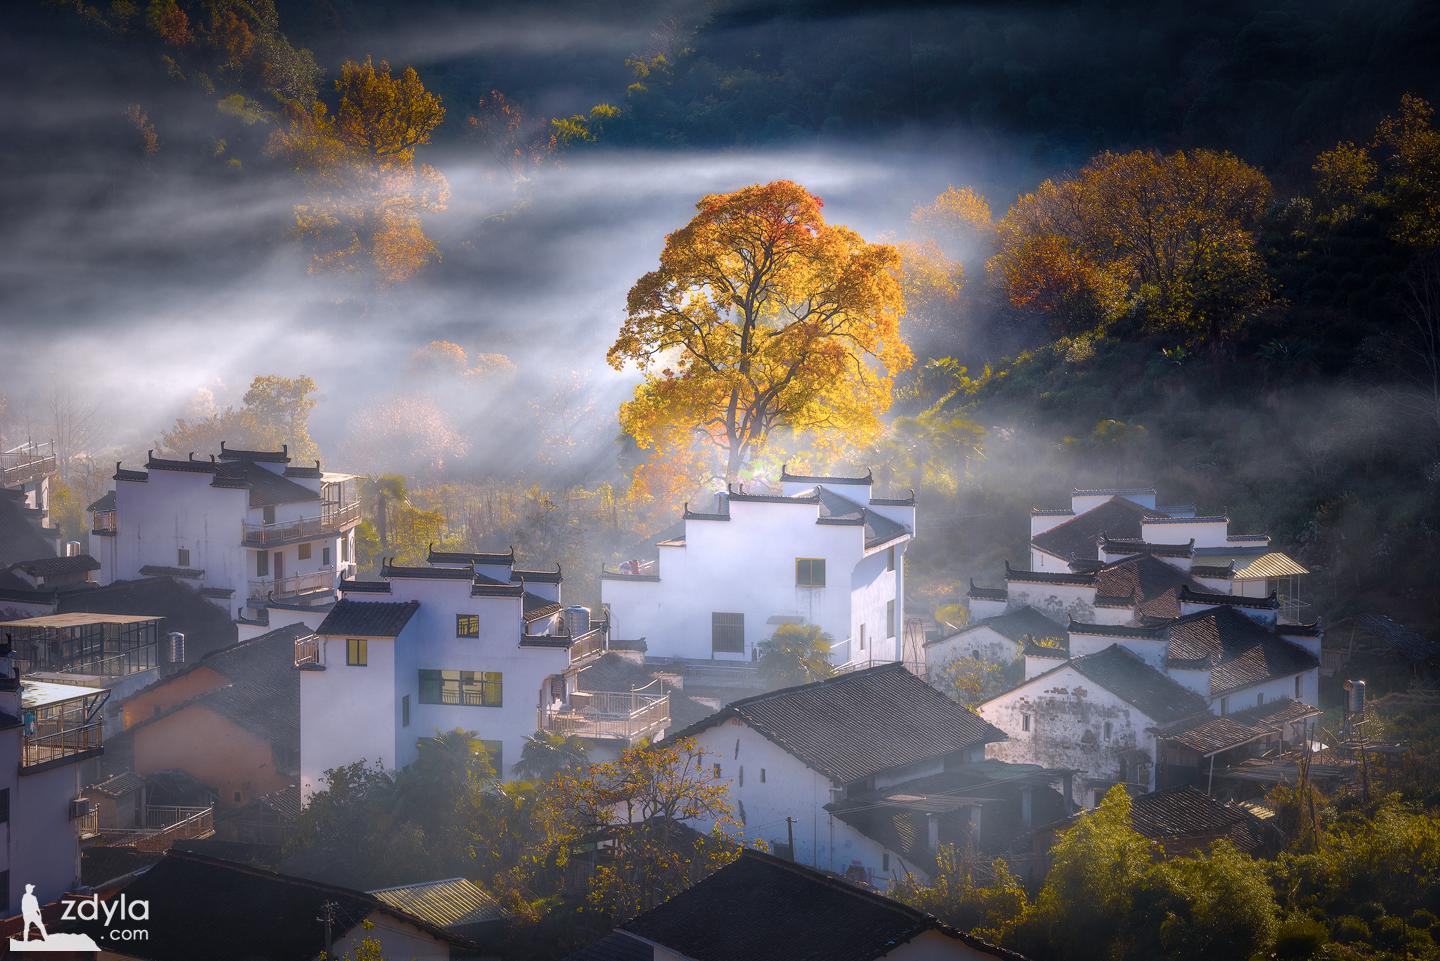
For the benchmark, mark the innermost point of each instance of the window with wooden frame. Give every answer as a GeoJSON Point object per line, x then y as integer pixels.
{"type": "Point", "coordinates": [302, 551]}
{"type": "Point", "coordinates": [464, 688]}
{"type": "Point", "coordinates": [467, 625]}
{"type": "Point", "coordinates": [809, 572]}
{"type": "Point", "coordinates": [727, 633]}
{"type": "Point", "coordinates": [357, 652]}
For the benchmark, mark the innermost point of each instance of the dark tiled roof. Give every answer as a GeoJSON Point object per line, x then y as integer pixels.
{"type": "Point", "coordinates": [1116, 545]}
{"type": "Point", "coordinates": [1300, 630]}
{"type": "Point", "coordinates": [281, 456]}
{"type": "Point", "coordinates": [616, 946]}
{"type": "Point", "coordinates": [1230, 600]}
{"type": "Point", "coordinates": [492, 558]}
{"type": "Point", "coordinates": [988, 593]}
{"type": "Point", "coordinates": [878, 529]}
{"type": "Point", "coordinates": [1123, 674]}
{"type": "Point", "coordinates": [389, 569]}
{"type": "Point", "coordinates": [1077, 538]}
{"type": "Point", "coordinates": [1018, 624]}
{"type": "Point", "coordinates": [368, 618]}
{"type": "Point", "coordinates": [364, 587]}
{"type": "Point", "coordinates": [1047, 577]}
{"type": "Point", "coordinates": [907, 501]}
{"type": "Point", "coordinates": [268, 488]}
{"type": "Point", "coordinates": [309, 473]}
{"type": "Point", "coordinates": [161, 570]}
{"type": "Point", "coordinates": [1217, 573]}
{"type": "Point", "coordinates": [1154, 518]}
{"type": "Point", "coordinates": [785, 475]}
{"type": "Point", "coordinates": [736, 493]}
{"type": "Point", "coordinates": [1285, 710]}
{"type": "Point", "coordinates": [21, 538]}
{"type": "Point", "coordinates": [1113, 491]}
{"type": "Point", "coordinates": [539, 577]}
{"type": "Point", "coordinates": [761, 908]}
{"type": "Point", "coordinates": [125, 474]}
{"type": "Point", "coordinates": [1186, 812]}
{"type": "Point", "coordinates": [1153, 586]}
{"type": "Point", "coordinates": [206, 627]}
{"type": "Point", "coordinates": [1210, 735]}
{"type": "Point", "coordinates": [1240, 652]}
{"type": "Point", "coordinates": [58, 566]}
{"type": "Point", "coordinates": [199, 895]}
{"type": "Point", "coordinates": [118, 785]}
{"type": "Point", "coordinates": [105, 503]}
{"type": "Point", "coordinates": [858, 724]}
{"type": "Point", "coordinates": [189, 465]}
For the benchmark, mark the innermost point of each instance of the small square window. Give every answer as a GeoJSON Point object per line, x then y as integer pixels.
{"type": "Point", "coordinates": [809, 572]}
{"type": "Point", "coordinates": [357, 653]}
{"type": "Point", "coordinates": [467, 625]}
{"type": "Point", "coordinates": [303, 551]}
{"type": "Point", "coordinates": [182, 557]}
{"type": "Point", "coordinates": [740, 777]}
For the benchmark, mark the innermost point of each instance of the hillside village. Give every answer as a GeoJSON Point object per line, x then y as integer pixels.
{"type": "Point", "coordinates": [1149, 649]}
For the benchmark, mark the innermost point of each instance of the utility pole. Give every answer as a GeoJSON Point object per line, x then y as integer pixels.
{"type": "Point", "coordinates": [327, 917]}
{"type": "Point", "coordinates": [790, 835]}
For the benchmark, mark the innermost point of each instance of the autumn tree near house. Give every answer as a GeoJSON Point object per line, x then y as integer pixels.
{"type": "Point", "coordinates": [367, 193]}
{"type": "Point", "coordinates": [1173, 237]}
{"type": "Point", "coordinates": [667, 813]}
{"type": "Point", "coordinates": [971, 680]}
{"type": "Point", "coordinates": [795, 654]}
{"type": "Point", "coordinates": [968, 895]}
{"type": "Point", "coordinates": [275, 410]}
{"type": "Point", "coordinates": [761, 318]}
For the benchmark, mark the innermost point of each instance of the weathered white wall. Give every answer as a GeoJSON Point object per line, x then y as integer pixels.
{"type": "Point", "coordinates": [1205, 533]}
{"type": "Point", "coordinates": [1059, 602]}
{"type": "Point", "coordinates": [978, 640]}
{"type": "Point", "coordinates": [348, 713]}
{"type": "Point", "coordinates": [398, 941]}
{"type": "Point", "coordinates": [1067, 728]}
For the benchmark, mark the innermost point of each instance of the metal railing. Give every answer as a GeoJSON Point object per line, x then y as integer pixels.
{"type": "Point", "coordinates": [307, 651]}
{"type": "Point", "coordinates": [261, 588]}
{"type": "Point", "coordinates": [647, 568]}
{"type": "Point", "coordinates": [166, 824]}
{"type": "Point", "coordinates": [609, 715]}
{"type": "Point", "coordinates": [330, 521]}
{"type": "Point", "coordinates": [26, 462]}
{"type": "Point", "coordinates": [591, 642]}
{"type": "Point", "coordinates": [89, 825]}
{"type": "Point", "coordinates": [65, 742]}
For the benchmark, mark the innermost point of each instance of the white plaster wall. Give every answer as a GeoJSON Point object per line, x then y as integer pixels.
{"type": "Point", "coordinates": [175, 509]}
{"type": "Point", "coordinates": [978, 641]}
{"type": "Point", "coordinates": [1262, 616]}
{"type": "Point", "coordinates": [1206, 533]}
{"type": "Point", "coordinates": [1082, 503]}
{"type": "Point", "coordinates": [1274, 690]}
{"type": "Point", "coordinates": [1056, 601]}
{"type": "Point", "coordinates": [348, 713]}
{"type": "Point", "coordinates": [1067, 719]}
{"type": "Point", "coordinates": [980, 608]}
{"type": "Point", "coordinates": [747, 565]}
{"type": "Point", "coordinates": [1043, 561]}
{"type": "Point", "coordinates": [1040, 523]}
{"type": "Point", "coordinates": [1150, 650]}
{"type": "Point", "coordinates": [42, 846]}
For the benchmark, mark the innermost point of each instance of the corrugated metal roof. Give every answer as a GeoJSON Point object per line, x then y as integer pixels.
{"type": "Point", "coordinates": [1273, 564]}
{"type": "Point", "coordinates": [445, 904]}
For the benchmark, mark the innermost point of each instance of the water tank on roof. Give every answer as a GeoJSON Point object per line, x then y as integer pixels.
{"type": "Point", "coordinates": [1355, 698]}
{"type": "Point", "coordinates": [72, 548]}
{"type": "Point", "coordinates": [576, 620]}
{"type": "Point", "coordinates": [177, 647]}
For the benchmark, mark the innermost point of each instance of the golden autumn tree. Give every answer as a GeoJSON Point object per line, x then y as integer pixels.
{"type": "Point", "coordinates": [367, 193]}
{"type": "Point", "coordinates": [1173, 236]}
{"type": "Point", "coordinates": [761, 318]}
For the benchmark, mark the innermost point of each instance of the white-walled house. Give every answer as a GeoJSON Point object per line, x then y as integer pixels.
{"type": "Point", "coordinates": [764, 908]}
{"type": "Point", "coordinates": [47, 731]}
{"type": "Point", "coordinates": [1167, 620]}
{"type": "Point", "coordinates": [821, 551]}
{"type": "Point", "coordinates": [468, 642]}
{"type": "Point", "coordinates": [856, 763]}
{"type": "Point", "coordinates": [261, 538]}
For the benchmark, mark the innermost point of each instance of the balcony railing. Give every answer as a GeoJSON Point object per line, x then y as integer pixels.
{"type": "Point", "coordinates": [332, 520]}
{"type": "Point", "coordinates": [26, 463]}
{"type": "Point", "coordinates": [307, 651]}
{"type": "Point", "coordinates": [591, 642]}
{"type": "Point", "coordinates": [104, 522]}
{"type": "Point", "coordinates": [608, 715]}
{"type": "Point", "coordinates": [645, 568]}
{"type": "Point", "coordinates": [296, 584]}
{"type": "Point", "coordinates": [165, 824]}
{"type": "Point", "coordinates": [65, 742]}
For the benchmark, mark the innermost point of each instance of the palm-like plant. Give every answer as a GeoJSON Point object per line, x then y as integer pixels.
{"type": "Point", "coordinates": [545, 755]}
{"type": "Point", "coordinates": [795, 654]}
